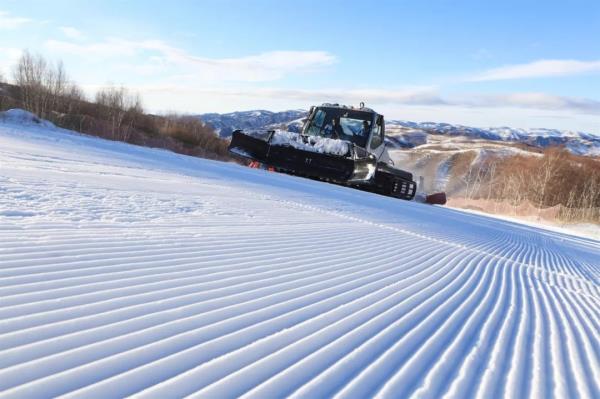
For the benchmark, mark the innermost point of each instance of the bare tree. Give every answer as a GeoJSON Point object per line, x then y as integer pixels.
{"type": "Point", "coordinates": [545, 176]}
{"type": "Point", "coordinates": [42, 84]}
{"type": "Point", "coordinates": [73, 98]}
{"type": "Point", "coordinates": [121, 108]}
{"type": "Point", "coordinates": [58, 86]}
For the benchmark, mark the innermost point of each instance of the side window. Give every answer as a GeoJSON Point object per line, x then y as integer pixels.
{"type": "Point", "coordinates": [316, 124]}
{"type": "Point", "coordinates": [377, 139]}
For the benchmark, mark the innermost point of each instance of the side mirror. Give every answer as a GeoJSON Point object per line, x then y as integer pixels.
{"type": "Point", "coordinates": [381, 123]}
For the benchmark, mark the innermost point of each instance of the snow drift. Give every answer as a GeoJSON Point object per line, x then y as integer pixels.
{"type": "Point", "coordinates": [127, 270]}
{"type": "Point", "coordinates": [22, 117]}
{"type": "Point", "coordinates": [314, 143]}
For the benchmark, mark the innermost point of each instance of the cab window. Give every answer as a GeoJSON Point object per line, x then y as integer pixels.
{"type": "Point", "coordinates": [314, 129]}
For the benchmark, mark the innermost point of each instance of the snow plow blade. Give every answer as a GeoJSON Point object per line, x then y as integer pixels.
{"type": "Point", "coordinates": [253, 147]}
{"type": "Point", "coordinates": [343, 169]}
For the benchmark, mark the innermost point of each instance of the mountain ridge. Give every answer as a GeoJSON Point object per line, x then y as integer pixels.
{"type": "Point", "coordinates": [408, 134]}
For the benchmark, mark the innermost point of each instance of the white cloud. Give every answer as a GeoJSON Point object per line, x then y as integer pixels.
{"type": "Point", "coordinates": [155, 55]}
{"type": "Point", "coordinates": [185, 82]}
{"type": "Point", "coordinates": [8, 58]}
{"type": "Point", "coordinates": [531, 110]}
{"type": "Point", "coordinates": [8, 21]}
{"type": "Point", "coordinates": [539, 69]}
{"type": "Point", "coordinates": [72, 33]}
{"type": "Point", "coordinates": [109, 48]}
{"type": "Point", "coordinates": [541, 101]}
{"type": "Point", "coordinates": [419, 96]}
{"type": "Point", "coordinates": [10, 53]}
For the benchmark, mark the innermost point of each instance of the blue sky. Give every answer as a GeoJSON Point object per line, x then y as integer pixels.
{"type": "Point", "coordinates": [481, 63]}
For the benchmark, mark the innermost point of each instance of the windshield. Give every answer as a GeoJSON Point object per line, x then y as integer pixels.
{"type": "Point", "coordinates": [344, 124]}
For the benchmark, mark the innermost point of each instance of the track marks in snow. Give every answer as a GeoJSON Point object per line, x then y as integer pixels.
{"type": "Point", "coordinates": [139, 272]}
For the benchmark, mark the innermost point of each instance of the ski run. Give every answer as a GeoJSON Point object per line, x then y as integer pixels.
{"type": "Point", "coordinates": [133, 271]}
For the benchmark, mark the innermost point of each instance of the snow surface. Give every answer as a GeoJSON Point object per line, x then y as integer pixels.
{"type": "Point", "coordinates": [586, 230]}
{"type": "Point", "coordinates": [126, 270]}
{"type": "Point", "coordinates": [315, 143]}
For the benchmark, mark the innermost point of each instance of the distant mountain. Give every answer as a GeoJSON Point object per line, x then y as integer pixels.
{"type": "Point", "coordinates": [406, 134]}
{"type": "Point", "coordinates": [225, 124]}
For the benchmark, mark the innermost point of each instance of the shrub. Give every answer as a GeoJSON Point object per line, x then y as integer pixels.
{"type": "Point", "coordinates": [555, 178]}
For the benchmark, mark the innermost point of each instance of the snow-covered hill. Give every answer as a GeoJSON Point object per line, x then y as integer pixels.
{"type": "Point", "coordinates": [126, 270]}
{"type": "Point", "coordinates": [405, 134]}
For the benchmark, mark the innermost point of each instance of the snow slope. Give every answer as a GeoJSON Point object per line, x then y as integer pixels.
{"type": "Point", "coordinates": [126, 270]}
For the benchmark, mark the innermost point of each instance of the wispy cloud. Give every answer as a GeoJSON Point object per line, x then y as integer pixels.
{"type": "Point", "coordinates": [418, 96]}
{"type": "Point", "coordinates": [541, 101]}
{"type": "Point", "coordinates": [8, 58]}
{"type": "Point", "coordinates": [182, 80]}
{"type": "Point", "coordinates": [156, 55]}
{"type": "Point", "coordinates": [8, 21]}
{"type": "Point", "coordinates": [110, 48]}
{"type": "Point", "coordinates": [72, 33]}
{"type": "Point", "coordinates": [538, 69]}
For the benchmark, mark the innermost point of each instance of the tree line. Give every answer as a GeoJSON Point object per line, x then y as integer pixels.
{"type": "Point", "coordinates": [115, 112]}
{"type": "Point", "coordinates": [554, 177]}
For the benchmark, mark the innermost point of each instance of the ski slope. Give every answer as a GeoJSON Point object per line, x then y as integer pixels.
{"type": "Point", "coordinates": [132, 271]}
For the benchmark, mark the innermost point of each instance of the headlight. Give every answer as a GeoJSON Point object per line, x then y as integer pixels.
{"type": "Point", "coordinates": [372, 167]}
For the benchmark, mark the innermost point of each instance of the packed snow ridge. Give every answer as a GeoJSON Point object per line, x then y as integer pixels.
{"type": "Point", "coordinates": [310, 143]}
{"type": "Point", "coordinates": [126, 270]}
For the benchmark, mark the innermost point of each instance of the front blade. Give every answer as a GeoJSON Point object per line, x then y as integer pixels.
{"type": "Point", "coordinates": [254, 147]}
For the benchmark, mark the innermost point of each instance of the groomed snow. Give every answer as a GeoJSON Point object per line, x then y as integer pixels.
{"type": "Point", "coordinates": [126, 270]}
